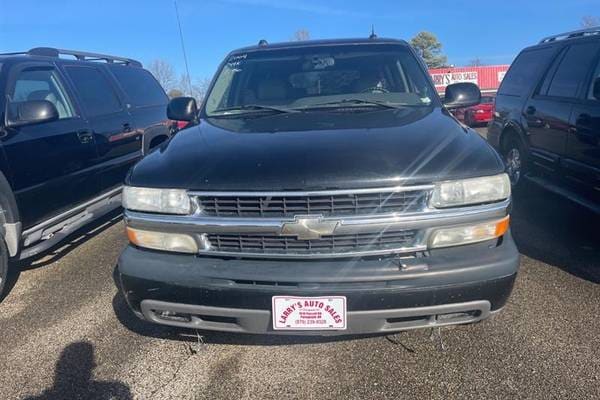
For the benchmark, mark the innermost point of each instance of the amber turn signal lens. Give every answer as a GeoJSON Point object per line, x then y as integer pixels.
{"type": "Point", "coordinates": [175, 242]}
{"type": "Point", "coordinates": [465, 234]}
{"type": "Point", "coordinates": [502, 226]}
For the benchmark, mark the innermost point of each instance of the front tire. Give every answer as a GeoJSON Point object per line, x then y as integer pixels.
{"type": "Point", "coordinates": [3, 266]}
{"type": "Point", "coordinates": [515, 159]}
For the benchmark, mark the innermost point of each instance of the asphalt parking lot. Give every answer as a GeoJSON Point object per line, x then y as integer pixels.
{"type": "Point", "coordinates": [65, 332]}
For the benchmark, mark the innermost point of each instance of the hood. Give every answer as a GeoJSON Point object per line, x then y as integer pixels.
{"type": "Point", "coordinates": [318, 150]}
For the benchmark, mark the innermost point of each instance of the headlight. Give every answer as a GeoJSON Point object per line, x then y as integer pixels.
{"type": "Point", "coordinates": [471, 191]}
{"type": "Point", "coordinates": [458, 235]}
{"type": "Point", "coordinates": [167, 201]}
{"type": "Point", "coordinates": [176, 242]}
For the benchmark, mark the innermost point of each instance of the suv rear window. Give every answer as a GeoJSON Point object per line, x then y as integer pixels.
{"type": "Point", "coordinates": [94, 90]}
{"type": "Point", "coordinates": [524, 71]}
{"type": "Point", "coordinates": [140, 86]}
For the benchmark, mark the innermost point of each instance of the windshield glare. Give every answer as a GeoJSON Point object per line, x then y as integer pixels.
{"type": "Point", "coordinates": [311, 76]}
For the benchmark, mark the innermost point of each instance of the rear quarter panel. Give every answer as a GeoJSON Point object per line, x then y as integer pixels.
{"type": "Point", "coordinates": [507, 114]}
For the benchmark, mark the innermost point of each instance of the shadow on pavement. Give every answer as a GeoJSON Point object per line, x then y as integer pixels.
{"type": "Point", "coordinates": [73, 378]}
{"type": "Point", "coordinates": [61, 249]}
{"type": "Point", "coordinates": [556, 231]}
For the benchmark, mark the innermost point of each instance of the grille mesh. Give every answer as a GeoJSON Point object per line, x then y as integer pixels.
{"type": "Point", "coordinates": [327, 205]}
{"type": "Point", "coordinates": [338, 244]}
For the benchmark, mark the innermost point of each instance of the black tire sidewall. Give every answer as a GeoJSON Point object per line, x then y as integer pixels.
{"type": "Point", "coordinates": [3, 266]}
{"type": "Point", "coordinates": [514, 143]}
{"type": "Point", "coordinates": [467, 119]}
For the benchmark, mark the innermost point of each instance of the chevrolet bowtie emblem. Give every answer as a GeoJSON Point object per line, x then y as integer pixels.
{"type": "Point", "coordinates": [307, 227]}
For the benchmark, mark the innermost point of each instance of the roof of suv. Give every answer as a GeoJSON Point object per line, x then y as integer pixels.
{"type": "Point", "coordinates": [582, 33]}
{"type": "Point", "coordinates": [263, 45]}
{"type": "Point", "coordinates": [50, 52]}
{"type": "Point", "coordinates": [561, 38]}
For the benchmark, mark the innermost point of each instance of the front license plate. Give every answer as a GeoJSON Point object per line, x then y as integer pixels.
{"type": "Point", "coordinates": [309, 313]}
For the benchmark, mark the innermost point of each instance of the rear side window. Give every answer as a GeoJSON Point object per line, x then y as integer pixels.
{"type": "Point", "coordinates": [524, 71]}
{"type": "Point", "coordinates": [95, 91]}
{"type": "Point", "coordinates": [140, 86]}
{"type": "Point", "coordinates": [572, 70]}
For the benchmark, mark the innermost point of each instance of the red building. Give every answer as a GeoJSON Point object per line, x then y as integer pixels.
{"type": "Point", "coordinates": [487, 77]}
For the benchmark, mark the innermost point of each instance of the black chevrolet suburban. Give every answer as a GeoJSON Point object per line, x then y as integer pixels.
{"type": "Point", "coordinates": [322, 188]}
{"type": "Point", "coordinates": [547, 120]}
{"type": "Point", "coordinates": [71, 125]}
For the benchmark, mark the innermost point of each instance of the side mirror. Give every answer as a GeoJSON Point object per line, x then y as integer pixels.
{"type": "Point", "coordinates": [464, 94]}
{"type": "Point", "coordinates": [182, 109]}
{"type": "Point", "coordinates": [31, 112]}
{"type": "Point", "coordinates": [596, 89]}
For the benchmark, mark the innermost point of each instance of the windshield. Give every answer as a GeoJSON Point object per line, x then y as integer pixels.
{"type": "Point", "coordinates": [305, 77]}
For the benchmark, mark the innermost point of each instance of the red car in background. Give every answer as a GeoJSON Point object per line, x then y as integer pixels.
{"type": "Point", "coordinates": [480, 114]}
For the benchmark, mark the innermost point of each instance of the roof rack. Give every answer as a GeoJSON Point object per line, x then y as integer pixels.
{"type": "Point", "coordinates": [79, 55]}
{"type": "Point", "coordinates": [572, 34]}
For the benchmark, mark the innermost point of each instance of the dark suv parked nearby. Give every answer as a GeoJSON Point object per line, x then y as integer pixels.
{"type": "Point", "coordinates": [324, 188]}
{"type": "Point", "coordinates": [547, 119]}
{"type": "Point", "coordinates": [70, 129]}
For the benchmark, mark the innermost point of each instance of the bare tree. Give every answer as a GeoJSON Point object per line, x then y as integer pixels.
{"type": "Point", "coordinates": [164, 73]}
{"type": "Point", "coordinates": [301, 34]}
{"type": "Point", "coordinates": [199, 87]}
{"type": "Point", "coordinates": [590, 21]}
{"type": "Point", "coordinates": [476, 62]}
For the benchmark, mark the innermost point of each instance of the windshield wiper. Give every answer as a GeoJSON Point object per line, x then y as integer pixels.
{"type": "Point", "coordinates": [252, 108]}
{"type": "Point", "coordinates": [357, 102]}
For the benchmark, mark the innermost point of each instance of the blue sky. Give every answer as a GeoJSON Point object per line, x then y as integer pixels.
{"type": "Point", "coordinates": [493, 31]}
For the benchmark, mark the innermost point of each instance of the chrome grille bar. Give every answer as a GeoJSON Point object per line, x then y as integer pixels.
{"type": "Point", "coordinates": [399, 199]}
{"type": "Point", "coordinates": [275, 244]}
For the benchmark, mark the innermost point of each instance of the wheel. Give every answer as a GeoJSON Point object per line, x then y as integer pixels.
{"type": "Point", "coordinates": [468, 119]}
{"type": "Point", "coordinates": [514, 157]}
{"type": "Point", "coordinates": [3, 265]}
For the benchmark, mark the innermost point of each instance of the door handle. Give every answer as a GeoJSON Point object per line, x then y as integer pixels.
{"type": "Point", "coordinates": [85, 136]}
{"type": "Point", "coordinates": [530, 110]}
{"type": "Point", "coordinates": [584, 119]}
{"type": "Point", "coordinates": [126, 127]}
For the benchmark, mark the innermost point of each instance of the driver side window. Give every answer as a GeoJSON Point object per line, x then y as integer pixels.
{"type": "Point", "coordinates": [42, 84]}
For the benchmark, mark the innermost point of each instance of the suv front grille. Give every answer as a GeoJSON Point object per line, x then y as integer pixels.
{"type": "Point", "coordinates": [331, 244]}
{"type": "Point", "coordinates": [326, 205]}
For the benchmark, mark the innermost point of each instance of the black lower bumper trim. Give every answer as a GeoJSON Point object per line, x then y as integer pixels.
{"type": "Point", "coordinates": [495, 292]}
{"type": "Point", "coordinates": [358, 322]}
{"type": "Point", "coordinates": [483, 272]}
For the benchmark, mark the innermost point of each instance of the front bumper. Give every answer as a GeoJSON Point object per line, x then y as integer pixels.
{"type": "Point", "coordinates": [446, 287]}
